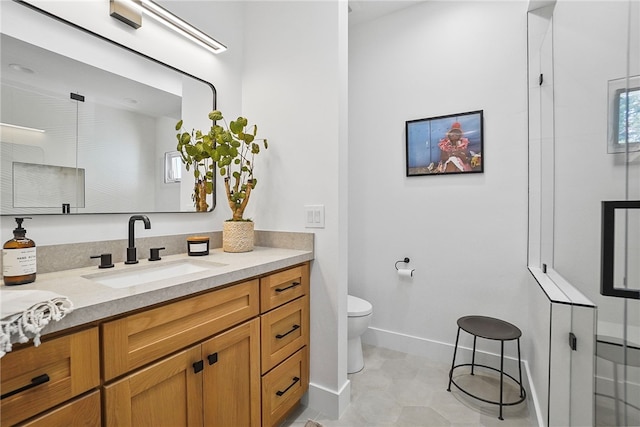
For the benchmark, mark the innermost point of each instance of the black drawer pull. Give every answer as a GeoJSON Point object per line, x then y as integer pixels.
{"type": "Point", "coordinates": [280, 336]}
{"type": "Point", "coordinates": [198, 366]}
{"type": "Point", "coordinates": [295, 380]}
{"type": "Point", "coordinates": [40, 379]}
{"type": "Point", "coordinates": [293, 285]}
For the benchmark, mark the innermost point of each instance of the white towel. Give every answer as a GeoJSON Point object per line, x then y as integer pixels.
{"type": "Point", "coordinates": [24, 313]}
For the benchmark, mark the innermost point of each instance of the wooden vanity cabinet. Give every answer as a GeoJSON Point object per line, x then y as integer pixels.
{"type": "Point", "coordinates": [284, 324]}
{"type": "Point", "coordinates": [37, 379]}
{"type": "Point", "coordinates": [215, 383]}
{"type": "Point", "coordinates": [233, 356]}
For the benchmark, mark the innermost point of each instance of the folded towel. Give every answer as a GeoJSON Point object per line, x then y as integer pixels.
{"type": "Point", "coordinates": [24, 313]}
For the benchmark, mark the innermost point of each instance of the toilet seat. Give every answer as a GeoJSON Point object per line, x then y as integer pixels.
{"type": "Point", "coordinates": [357, 307]}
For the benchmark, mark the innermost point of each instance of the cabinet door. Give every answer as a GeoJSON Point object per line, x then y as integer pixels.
{"type": "Point", "coordinates": [167, 393]}
{"type": "Point", "coordinates": [231, 386]}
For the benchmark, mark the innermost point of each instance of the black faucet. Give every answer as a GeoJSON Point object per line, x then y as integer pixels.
{"type": "Point", "coordinates": [132, 258]}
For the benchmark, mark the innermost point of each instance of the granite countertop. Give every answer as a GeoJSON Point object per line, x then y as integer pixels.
{"type": "Point", "coordinates": [94, 301]}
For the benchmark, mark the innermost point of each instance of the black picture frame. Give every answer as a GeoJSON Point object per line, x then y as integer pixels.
{"type": "Point", "coordinates": [430, 148]}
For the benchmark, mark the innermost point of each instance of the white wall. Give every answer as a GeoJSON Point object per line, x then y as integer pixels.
{"type": "Point", "coordinates": [292, 89]}
{"type": "Point", "coordinates": [465, 234]}
{"type": "Point", "coordinates": [538, 355]}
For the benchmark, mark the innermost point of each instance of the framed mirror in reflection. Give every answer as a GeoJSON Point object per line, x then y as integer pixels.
{"type": "Point", "coordinates": [81, 139]}
{"type": "Point", "coordinates": [619, 272]}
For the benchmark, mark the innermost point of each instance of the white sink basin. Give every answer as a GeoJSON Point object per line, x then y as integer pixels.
{"type": "Point", "coordinates": [150, 273]}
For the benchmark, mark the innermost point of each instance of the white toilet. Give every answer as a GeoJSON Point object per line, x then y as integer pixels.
{"type": "Point", "coordinates": [359, 316]}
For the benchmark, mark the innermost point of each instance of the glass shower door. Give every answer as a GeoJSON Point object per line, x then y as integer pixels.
{"type": "Point", "coordinates": [617, 388]}
{"type": "Point", "coordinates": [617, 385]}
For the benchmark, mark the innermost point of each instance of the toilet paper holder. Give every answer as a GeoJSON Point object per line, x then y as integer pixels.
{"type": "Point", "coordinates": [405, 260]}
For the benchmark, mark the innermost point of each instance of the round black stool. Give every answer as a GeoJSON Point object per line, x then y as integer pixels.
{"type": "Point", "coordinates": [491, 329]}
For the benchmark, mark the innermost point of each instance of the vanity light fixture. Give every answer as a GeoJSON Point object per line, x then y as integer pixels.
{"type": "Point", "coordinates": [22, 127]}
{"type": "Point", "coordinates": [167, 18]}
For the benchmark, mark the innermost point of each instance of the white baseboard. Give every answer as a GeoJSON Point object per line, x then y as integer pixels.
{"type": "Point", "coordinates": [329, 402]}
{"type": "Point", "coordinates": [433, 350]}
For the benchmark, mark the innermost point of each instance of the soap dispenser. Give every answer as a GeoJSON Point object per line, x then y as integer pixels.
{"type": "Point", "coordinates": [19, 257]}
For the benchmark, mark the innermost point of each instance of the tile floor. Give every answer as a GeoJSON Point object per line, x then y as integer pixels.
{"type": "Point", "coordinates": [398, 389]}
{"type": "Point", "coordinates": [606, 413]}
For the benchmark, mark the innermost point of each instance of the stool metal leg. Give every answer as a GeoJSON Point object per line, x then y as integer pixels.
{"type": "Point", "coordinates": [473, 355]}
{"type": "Point", "coordinates": [520, 371]}
{"type": "Point", "coordinates": [453, 362]}
{"type": "Point", "coordinates": [501, 375]}
{"type": "Point", "coordinates": [492, 329]}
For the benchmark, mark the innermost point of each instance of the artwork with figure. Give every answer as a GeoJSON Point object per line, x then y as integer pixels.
{"type": "Point", "coordinates": [442, 145]}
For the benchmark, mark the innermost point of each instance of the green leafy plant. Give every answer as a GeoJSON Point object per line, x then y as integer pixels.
{"type": "Point", "coordinates": [196, 150]}
{"type": "Point", "coordinates": [233, 147]}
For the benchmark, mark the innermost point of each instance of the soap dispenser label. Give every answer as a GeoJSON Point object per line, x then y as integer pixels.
{"type": "Point", "coordinates": [18, 262]}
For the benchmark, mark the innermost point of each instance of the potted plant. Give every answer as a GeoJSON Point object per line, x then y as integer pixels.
{"type": "Point", "coordinates": [196, 150]}
{"type": "Point", "coordinates": [233, 147]}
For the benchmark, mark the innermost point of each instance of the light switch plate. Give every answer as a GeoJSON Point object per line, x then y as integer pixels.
{"type": "Point", "coordinates": [314, 216]}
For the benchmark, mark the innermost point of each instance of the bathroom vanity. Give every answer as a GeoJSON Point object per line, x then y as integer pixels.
{"type": "Point", "coordinates": [225, 344]}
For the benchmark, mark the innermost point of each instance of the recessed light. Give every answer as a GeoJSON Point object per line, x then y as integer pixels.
{"type": "Point", "coordinates": [21, 68]}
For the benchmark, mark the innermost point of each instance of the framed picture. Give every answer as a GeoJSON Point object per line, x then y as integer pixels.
{"type": "Point", "coordinates": [445, 145]}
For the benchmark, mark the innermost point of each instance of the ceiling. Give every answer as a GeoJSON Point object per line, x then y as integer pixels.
{"type": "Point", "coordinates": [368, 10]}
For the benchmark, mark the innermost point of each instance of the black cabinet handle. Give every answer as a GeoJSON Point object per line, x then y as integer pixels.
{"type": "Point", "coordinates": [295, 380]}
{"type": "Point", "coordinates": [213, 358]}
{"type": "Point", "coordinates": [198, 366]}
{"type": "Point", "coordinates": [280, 336]}
{"type": "Point", "coordinates": [293, 285]}
{"type": "Point", "coordinates": [40, 379]}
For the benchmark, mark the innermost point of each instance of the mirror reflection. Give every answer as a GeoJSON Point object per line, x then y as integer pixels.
{"type": "Point", "coordinates": [76, 138]}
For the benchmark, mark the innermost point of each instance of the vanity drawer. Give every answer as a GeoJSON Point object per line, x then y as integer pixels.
{"type": "Point", "coordinates": [283, 331]}
{"type": "Point", "coordinates": [280, 288]}
{"type": "Point", "coordinates": [141, 338]}
{"type": "Point", "coordinates": [84, 411]}
{"type": "Point", "coordinates": [283, 387]}
{"type": "Point", "coordinates": [70, 363]}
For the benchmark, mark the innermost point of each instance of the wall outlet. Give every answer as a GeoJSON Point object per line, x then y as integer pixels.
{"type": "Point", "coordinates": [314, 216]}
